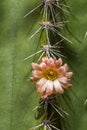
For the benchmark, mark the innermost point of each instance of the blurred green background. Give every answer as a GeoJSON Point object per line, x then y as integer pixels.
{"type": "Point", "coordinates": [17, 95]}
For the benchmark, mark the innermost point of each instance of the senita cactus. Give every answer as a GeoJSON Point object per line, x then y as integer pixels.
{"type": "Point", "coordinates": [50, 75]}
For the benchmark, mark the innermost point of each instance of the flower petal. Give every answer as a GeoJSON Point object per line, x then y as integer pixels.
{"type": "Point", "coordinates": [67, 86]}
{"type": "Point", "coordinates": [36, 66]}
{"type": "Point", "coordinates": [49, 88]}
{"type": "Point", "coordinates": [63, 80]}
{"type": "Point", "coordinates": [57, 86]}
{"type": "Point", "coordinates": [59, 62]}
{"type": "Point", "coordinates": [44, 96]}
{"type": "Point", "coordinates": [41, 89]}
{"type": "Point", "coordinates": [43, 65]}
{"type": "Point", "coordinates": [69, 74]}
{"type": "Point", "coordinates": [60, 71]}
{"type": "Point", "coordinates": [65, 66]}
{"type": "Point", "coordinates": [34, 79]}
{"type": "Point", "coordinates": [44, 59]}
{"type": "Point", "coordinates": [41, 82]}
{"type": "Point", "coordinates": [37, 74]}
{"type": "Point", "coordinates": [50, 62]}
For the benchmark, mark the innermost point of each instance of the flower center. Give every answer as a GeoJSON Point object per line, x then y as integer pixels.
{"type": "Point", "coordinates": [50, 74]}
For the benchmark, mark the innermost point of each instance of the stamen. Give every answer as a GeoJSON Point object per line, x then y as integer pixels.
{"type": "Point", "coordinates": [51, 74]}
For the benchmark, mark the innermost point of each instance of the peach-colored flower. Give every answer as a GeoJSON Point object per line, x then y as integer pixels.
{"type": "Point", "coordinates": [51, 76]}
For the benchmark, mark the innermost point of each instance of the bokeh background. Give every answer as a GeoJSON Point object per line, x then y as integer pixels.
{"type": "Point", "coordinates": [18, 96]}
